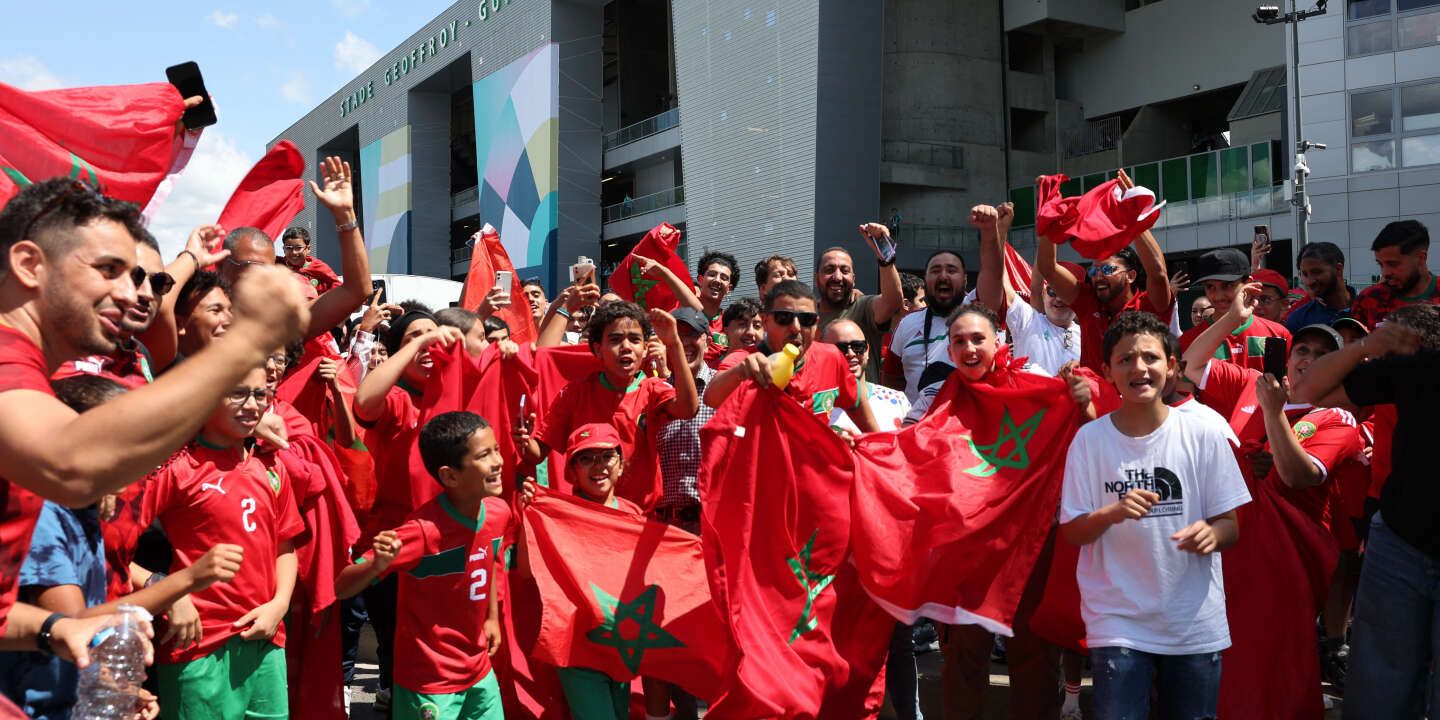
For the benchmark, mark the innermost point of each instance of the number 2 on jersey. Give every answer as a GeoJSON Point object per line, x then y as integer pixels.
{"type": "Point", "coordinates": [247, 508]}
{"type": "Point", "coordinates": [480, 576]}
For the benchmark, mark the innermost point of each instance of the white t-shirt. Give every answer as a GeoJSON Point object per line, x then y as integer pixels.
{"type": "Point", "coordinates": [909, 345]}
{"type": "Point", "coordinates": [888, 405]}
{"type": "Point", "coordinates": [1136, 589]}
{"type": "Point", "coordinates": [1035, 337]}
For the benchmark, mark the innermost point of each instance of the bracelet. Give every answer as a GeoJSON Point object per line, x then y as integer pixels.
{"type": "Point", "coordinates": [562, 312]}
{"type": "Point", "coordinates": [155, 577]}
{"type": "Point", "coordinates": [884, 264]}
{"type": "Point", "coordinates": [347, 227]}
{"type": "Point", "coordinates": [193, 259]}
{"type": "Point", "coordinates": [42, 640]}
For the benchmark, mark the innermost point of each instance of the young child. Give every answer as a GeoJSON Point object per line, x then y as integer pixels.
{"type": "Point", "coordinates": [1150, 495]}
{"type": "Point", "coordinates": [593, 458]}
{"type": "Point", "coordinates": [217, 490]}
{"type": "Point", "coordinates": [448, 621]}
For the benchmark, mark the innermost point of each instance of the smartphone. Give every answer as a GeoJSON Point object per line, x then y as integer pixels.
{"type": "Point", "coordinates": [884, 247]}
{"type": "Point", "coordinates": [378, 286]}
{"type": "Point", "coordinates": [1275, 352]}
{"type": "Point", "coordinates": [504, 280]}
{"type": "Point", "coordinates": [187, 79]}
{"type": "Point", "coordinates": [1262, 234]}
{"type": "Point", "coordinates": [583, 271]}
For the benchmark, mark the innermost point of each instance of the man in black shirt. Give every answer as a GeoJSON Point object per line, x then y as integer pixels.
{"type": "Point", "coordinates": [1393, 642]}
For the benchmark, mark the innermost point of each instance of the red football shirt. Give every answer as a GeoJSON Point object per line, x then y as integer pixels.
{"type": "Point", "coordinates": [122, 538]}
{"type": "Point", "coordinates": [1246, 344]}
{"type": "Point", "coordinates": [719, 343]}
{"type": "Point", "coordinates": [22, 367]}
{"type": "Point", "coordinates": [391, 439]}
{"type": "Point", "coordinates": [635, 413]}
{"type": "Point", "coordinates": [128, 367]}
{"type": "Point", "coordinates": [1095, 320]}
{"type": "Point", "coordinates": [445, 564]}
{"type": "Point", "coordinates": [1376, 302]}
{"type": "Point", "coordinates": [203, 497]}
{"type": "Point", "coordinates": [822, 379]}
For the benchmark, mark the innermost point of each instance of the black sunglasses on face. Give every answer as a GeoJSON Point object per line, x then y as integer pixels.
{"type": "Point", "coordinates": [160, 282]}
{"type": "Point", "coordinates": [851, 346]}
{"type": "Point", "coordinates": [786, 317]}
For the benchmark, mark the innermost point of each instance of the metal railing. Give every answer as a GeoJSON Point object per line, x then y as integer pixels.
{"type": "Point", "coordinates": [643, 129]}
{"type": "Point", "coordinates": [1232, 206]}
{"type": "Point", "coordinates": [951, 237]}
{"type": "Point", "coordinates": [468, 195]}
{"type": "Point", "coordinates": [643, 204]}
{"type": "Point", "coordinates": [1092, 137]}
{"type": "Point", "coordinates": [921, 153]}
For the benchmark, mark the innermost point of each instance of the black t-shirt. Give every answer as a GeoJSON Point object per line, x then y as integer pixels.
{"type": "Point", "coordinates": [1410, 502]}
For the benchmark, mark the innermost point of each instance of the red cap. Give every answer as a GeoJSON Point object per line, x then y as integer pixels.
{"type": "Point", "coordinates": [591, 436]}
{"type": "Point", "coordinates": [1266, 276]}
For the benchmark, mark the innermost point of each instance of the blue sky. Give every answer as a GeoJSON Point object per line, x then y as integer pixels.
{"type": "Point", "coordinates": [266, 63]}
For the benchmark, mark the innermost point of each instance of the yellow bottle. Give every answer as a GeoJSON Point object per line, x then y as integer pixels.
{"type": "Point", "coordinates": [782, 365]}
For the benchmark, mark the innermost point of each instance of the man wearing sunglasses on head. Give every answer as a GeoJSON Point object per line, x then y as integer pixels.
{"type": "Point", "coordinates": [822, 379]}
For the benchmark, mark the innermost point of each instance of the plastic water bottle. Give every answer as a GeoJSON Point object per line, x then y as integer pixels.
{"type": "Point", "coordinates": [782, 365]}
{"type": "Point", "coordinates": [110, 685]}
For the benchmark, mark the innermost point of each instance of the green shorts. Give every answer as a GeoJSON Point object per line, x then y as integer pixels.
{"type": "Point", "coordinates": [242, 679]}
{"type": "Point", "coordinates": [593, 695]}
{"type": "Point", "coordinates": [480, 702]}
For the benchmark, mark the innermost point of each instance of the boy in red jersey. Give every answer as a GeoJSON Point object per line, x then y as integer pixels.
{"type": "Point", "coordinates": [217, 490]}
{"type": "Point", "coordinates": [1222, 272]}
{"type": "Point", "coordinates": [445, 556]}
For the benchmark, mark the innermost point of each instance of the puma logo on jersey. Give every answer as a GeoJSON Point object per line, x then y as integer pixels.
{"type": "Point", "coordinates": [1247, 409]}
{"type": "Point", "coordinates": [215, 485]}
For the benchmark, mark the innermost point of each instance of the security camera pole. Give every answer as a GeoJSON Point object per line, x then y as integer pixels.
{"type": "Point", "coordinates": [1270, 15]}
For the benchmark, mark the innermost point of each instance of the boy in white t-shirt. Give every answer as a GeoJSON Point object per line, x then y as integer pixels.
{"type": "Point", "coordinates": [1150, 496]}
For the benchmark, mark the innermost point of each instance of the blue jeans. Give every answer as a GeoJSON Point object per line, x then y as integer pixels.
{"type": "Point", "coordinates": [1188, 686]}
{"type": "Point", "coordinates": [1393, 638]}
{"type": "Point", "coordinates": [901, 682]}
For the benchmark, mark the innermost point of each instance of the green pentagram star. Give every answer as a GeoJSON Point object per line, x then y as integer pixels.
{"type": "Point", "coordinates": [813, 582]}
{"type": "Point", "coordinates": [641, 610]}
{"type": "Point", "coordinates": [1019, 455]}
{"type": "Point", "coordinates": [641, 284]}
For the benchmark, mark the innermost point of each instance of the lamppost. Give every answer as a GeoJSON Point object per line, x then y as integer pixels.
{"type": "Point", "coordinates": [1270, 15]}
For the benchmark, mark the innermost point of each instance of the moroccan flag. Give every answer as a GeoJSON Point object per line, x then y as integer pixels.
{"type": "Point", "coordinates": [1100, 222]}
{"type": "Point", "coordinates": [776, 523]}
{"type": "Point", "coordinates": [488, 386]}
{"type": "Point", "coordinates": [950, 515]}
{"type": "Point", "coordinates": [121, 138]}
{"type": "Point", "coordinates": [1017, 271]}
{"type": "Point", "coordinates": [487, 258]}
{"type": "Point", "coordinates": [659, 245]}
{"type": "Point", "coordinates": [634, 602]}
{"type": "Point", "coordinates": [556, 367]}
{"type": "Point", "coordinates": [272, 193]}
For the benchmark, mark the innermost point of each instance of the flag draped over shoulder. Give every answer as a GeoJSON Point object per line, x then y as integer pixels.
{"type": "Point", "coordinates": [1100, 222]}
{"type": "Point", "coordinates": [950, 515]}
{"type": "Point", "coordinates": [272, 193]}
{"type": "Point", "coordinates": [487, 258]}
{"type": "Point", "coordinates": [121, 138]}
{"type": "Point", "coordinates": [634, 602]}
{"type": "Point", "coordinates": [776, 523]}
{"type": "Point", "coordinates": [660, 245]}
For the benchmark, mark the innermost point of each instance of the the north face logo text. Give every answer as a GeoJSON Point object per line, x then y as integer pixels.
{"type": "Point", "coordinates": [1161, 481]}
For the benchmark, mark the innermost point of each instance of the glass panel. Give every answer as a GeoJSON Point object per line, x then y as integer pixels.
{"type": "Point", "coordinates": [1372, 113]}
{"type": "Point", "coordinates": [1378, 155]}
{"type": "Point", "coordinates": [1149, 176]}
{"type": "Point", "coordinates": [1024, 201]}
{"type": "Point", "coordinates": [1367, 38]}
{"type": "Point", "coordinates": [1367, 8]}
{"type": "Point", "coordinates": [1176, 183]}
{"type": "Point", "coordinates": [1235, 170]}
{"type": "Point", "coordinates": [1404, 5]}
{"type": "Point", "coordinates": [1260, 175]}
{"type": "Point", "coordinates": [1204, 176]}
{"type": "Point", "coordinates": [1422, 150]}
{"type": "Point", "coordinates": [1071, 188]}
{"type": "Point", "coordinates": [1420, 106]}
{"type": "Point", "coordinates": [1094, 180]}
{"type": "Point", "coordinates": [1422, 29]}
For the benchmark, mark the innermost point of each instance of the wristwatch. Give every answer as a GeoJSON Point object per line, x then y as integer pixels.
{"type": "Point", "coordinates": [347, 227]}
{"type": "Point", "coordinates": [42, 640]}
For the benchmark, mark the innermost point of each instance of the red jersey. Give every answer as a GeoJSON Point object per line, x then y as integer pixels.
{"type": "Point", "coordinates": [203, 497]}
{"type": "Point", "coordinates": [719, 343]}
{"type": "Point", "coordinates": [1246, 344]}
{"type": "Point", "coordinates": [1345, 511]}
{"type": "Point", "coordinates": [1095, 320]}
{"type": "Point", "coordinates": [446, 562]}
{"type": "Point", "coordinates": [22, 367]}
{"type": "Point", "coordinates": [122, 538]}
{"type": "Point", "coordinates": [1376, 302]}
{"type": "Point", "coordinates": [822, 379]}
{"type": "Point", "coordinates": [635, 413]}
{"type": "Point", "coordinates": [130, 368]}
{"type": "Point", "coordinates": [392, 439]}
{"type": "Point", "coordinates": [316, 272]}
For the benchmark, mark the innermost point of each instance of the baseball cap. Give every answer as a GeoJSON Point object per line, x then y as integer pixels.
{"type": "Point", "coordinates": [1322, 330]}
{"type": "Point", "coordinates": [693, 318]}
{"type": "Point", "coordinates": [1274, 279]}
{"type": "Point", "coordinates": [1224, 264]}
{"type": "Point", "coordinates": [591, 436]}
{"type": "Point", "coordinates": [1350, 322]}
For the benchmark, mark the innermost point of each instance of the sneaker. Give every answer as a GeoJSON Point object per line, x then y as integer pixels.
{"type": "Point", "coordinates": [382, 701]}
{"type": "Point", "coordinates": [1334, 662]}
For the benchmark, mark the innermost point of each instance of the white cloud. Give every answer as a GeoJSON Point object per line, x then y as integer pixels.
{"type": "Point", "coordinates": [200, 192]}
{"type": "Point", "coordinates": [353, 54]}
{"type": "Point", "coordinates": [27, 73]}
{"type": "Point", "coordinates": [296, 89]}
{"type": "Point", "coordinates": [351, 8]}
{"type": "Point", "coordinates": [267, 21]}
{"type": "Point", "coordinates": [223, 19]}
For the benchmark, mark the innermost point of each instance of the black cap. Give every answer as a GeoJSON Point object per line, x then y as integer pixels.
{"type": "Point", "coordinates": [693, 318]}
{"type": "Point", "coordinates": [398, 326]}
{"type": "Point", "coordinates": [1224, 264]}
{"type": "Point", "coordinates": [1322, 330]}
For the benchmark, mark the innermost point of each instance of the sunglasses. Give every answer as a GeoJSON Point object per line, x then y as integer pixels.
{"type": "Point", "coordinates": [1106, 270]}
{"type": "Point", "coordinates": [852, 346]}
{"type": "Point", "coordinates": [160, 282]}
{"type": "Point", "coordinates": [786, 317]}
{"type": "Point", "coordinates": [75, 186]}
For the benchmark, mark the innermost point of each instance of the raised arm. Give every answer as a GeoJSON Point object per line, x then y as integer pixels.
{"type": "Point", "coordinates": [335, 306]}
{"type": "Point", "coordinates": [1323, 383]}
{"type": "Point", "coordinates": [1203, 347]}
{"type": "Point", "coordinates": [161, 338]}
{"type": "Point", "coordinates": [679, 288]}
{"type": "Point", "coordinates": [1065, 285]}
{"type": "Point", "coordinates": [1152, 258]}
{"type": "Point", "coordinates": [892, 295]}
{"type": "Point", "coordinates": [370, 396]}
{"type": "Point", "coordinates": [991, 289]}
{"type": "Point", "coordinates": [1294, 466]}
{"type": "Point", "coordinates": [685, 403]}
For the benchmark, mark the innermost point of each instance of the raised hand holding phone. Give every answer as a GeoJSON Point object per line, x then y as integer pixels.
{"type": "Point", "coordinates": [878, 236]}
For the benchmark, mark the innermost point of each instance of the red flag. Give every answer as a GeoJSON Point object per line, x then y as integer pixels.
{"type": "Point", "coordinates": [1100, 222]}
{"type": "Point", "coordinates": [272, 193]}
{"type": "Point", "coordinates": [556, 367]}
{"type": "Point", "coordinates": [777, 526]}
{"type": "Point", "coordinates": [634, 603]}
{"type": "Point", "coordinates": [487, 258]}
{"type": "Point", "coordinates": [121, 138]}
{"type": "Point", "coordinates": [659, 245]}
{"type": "Point", "coordinates": [1018, 271]}
{"type": "Point", "coordinates": [951, 514]}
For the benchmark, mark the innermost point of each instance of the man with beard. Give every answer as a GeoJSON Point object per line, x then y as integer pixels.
{"type": "Point", "coordinates": [1050, 340]}
{"type": "Point", "coordinates": [835, 286]}
{"type": "Point", "coordinates": [1401, 250]}
{"type": "Point", "coordinates": [919, 340]}
{"type": "Point", "coordinates": [1322, 270]}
